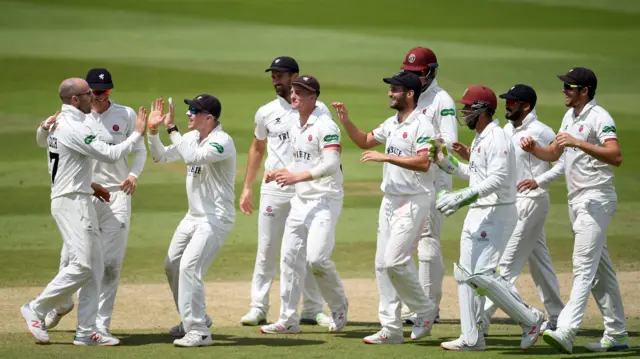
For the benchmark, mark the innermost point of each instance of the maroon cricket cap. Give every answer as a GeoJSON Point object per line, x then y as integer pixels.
{"type": "Point", "coordinates": [419, 59]}
{"type": "Point", "coordinates": [308, 82]}
{"type": "Point", "coordinates": [479, 94]}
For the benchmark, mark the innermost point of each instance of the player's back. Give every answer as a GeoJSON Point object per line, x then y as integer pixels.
{"type": "Point", "coordinates": [69, 170]}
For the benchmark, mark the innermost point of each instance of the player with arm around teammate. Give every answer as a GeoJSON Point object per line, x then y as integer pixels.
{"type": "Point", "coordinates": [491, 219]}
{"type": "Point", "coordinates": [71, 147]}
{"type": "Point", "coordinates": [588, 142]}
{"type": "Point", "coordinates": [210, 156]}
{"type": "Point", "coordinates": [272, 131]}
{"type": "Point", "coordinates": [407, 185]}
{"type": "Point", "coordinates": [112, 123]}
{"type": "Point", "coordinates": [309, 235]}
{"type": "Point", "coordinates": [438, 106]}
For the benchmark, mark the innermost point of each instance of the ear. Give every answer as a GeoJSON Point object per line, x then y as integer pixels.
{"type": "Point", "coordinates": [294, 76]}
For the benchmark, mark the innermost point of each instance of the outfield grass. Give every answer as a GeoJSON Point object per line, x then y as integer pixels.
{"type": "Point", "coordinates": [184, 48]}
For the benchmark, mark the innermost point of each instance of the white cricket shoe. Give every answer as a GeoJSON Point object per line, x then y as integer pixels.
{"type": "Point", "coordinates": [459, 344]}
{"type": "Point", "coordinates": [53, 317]}
{"type": "Point", "coordinates": [609, 344]}
{"type": "Point", "coordinates": [531, 334]}
{"type": "Point", "coordinates": [96, 339]}
{"type": "Point", "coordinates": [193, 339]}
{"type": "Point", "coordinates": [547, 325]}
{"type": "Point", "coordinates": [255, 317]}
{"type": "Point", "coordinates": [339, 319]}
{"type": "Point", "coordinates": [280, 328]}
{"type": "Point", "coordinates": [557, 340]}
{"type": "Point", "coordinates": [421, 328]}
{"type": "Point", "coordinates": [320, 319]}
{"type": "Point", "coordinates": [384, 336]}
{"type": "Point", "coordinates": [177, 331]}
{"type": "Point", "coordinates": [35, 325]}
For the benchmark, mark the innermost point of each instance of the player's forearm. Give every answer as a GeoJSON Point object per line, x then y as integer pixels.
{"type": "Point", "coordinates": [551, 175]}
{"type": "Point", "coordinates": [491, 183]}
{"type": "Point", "coordinates": [256, 153]}
{"type": "Point", "coordinates": [549, 153]}
{"type": "Point", "coordinates": [157, 148]}
{"type": "Point", "coordinates": [413, 163]}
{"type": "Point", "coordinates": [111, 154]}
{"type": "Point", "coordinates": [609, 155]}
{"type": "Point", "coordinates": [356, 135]}
{"type": "Point", "coordinates": [139, 159]}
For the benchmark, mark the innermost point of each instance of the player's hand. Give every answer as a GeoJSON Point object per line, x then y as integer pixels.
{"type": "Point", "coordinates": [528, 144]}
{"type": "Point", "coordinates": [169, 119]}
{"type": "Point", "coordinates": [527, 185]}
{"type": "Point", "coordinates": [156, 116]}
{"type": "Point", "coordinates": [449, 203]}
{"type": "Point", "coordinates": [129, 185]}
{"type": "Point", "coordinates": [341, 111]}
{"type": "Point", "coordinates": [100, 192]}
{"type": "Point", "coordinates": [374, 156]}
{"type": "Point", "coordinates": [246, 201]}
{"type": "Point", "coordinates": [462, 150]}
{"type": "Point", "coordinates": [286, 178]}
{"type": "Point", "coordinates": [46, 124]}
{"type": "Point", "coordinates": [269, 176]}
{"type": "Point", "coordinates": [566, 140]}
{"type": "Point", "coordinates": [439, 155]}
{"type": "Point", "coordinates": [141, 121]}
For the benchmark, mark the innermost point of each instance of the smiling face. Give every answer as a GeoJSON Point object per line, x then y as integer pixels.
{"type": "Point", "coordinates": [198, 119]}
{"type": "Point", "coordinates": [302, 98]}
{"type": "Point", "coordinates": [282, 82]}
{"type": "Point", "coordinates": [574, 95]}
{"type": "Point", "coordinates": [100, 100]}
{"type": "Point", "coordinates": [397, 97]}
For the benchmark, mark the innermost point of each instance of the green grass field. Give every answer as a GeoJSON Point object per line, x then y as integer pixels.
{"type": "Point", "coordinates": [184, 48]}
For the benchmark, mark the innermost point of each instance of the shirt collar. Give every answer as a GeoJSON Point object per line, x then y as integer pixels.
{"type": "Point", "coordinates": [73, 112]}
{"type": "Point", "coordinates": [584, 111]}
{"type": "Point", "coordinates": [488, 129]}
{"type": "Point", "coordinates": [312, 118]}
{"type": "Point", "coordinates": [531, 116]}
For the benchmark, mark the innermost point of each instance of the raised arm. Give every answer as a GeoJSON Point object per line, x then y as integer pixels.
{"type": "Point", "coordinates": [362, 139]}
{"type": "Point", "coordinates": [139, 149]}
{"type": "Point", "coordinates": [43, 130]}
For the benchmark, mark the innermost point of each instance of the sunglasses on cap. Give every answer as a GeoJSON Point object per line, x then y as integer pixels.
{"type": "Point", "coordinates": [101, 92]}
{"type": "Point", "coordinates": [194, 111]}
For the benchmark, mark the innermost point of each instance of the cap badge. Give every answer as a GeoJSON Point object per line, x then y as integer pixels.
{"type": "Point", "coordinates": [101, 76]}
{"type": "Point", "coordinates": [512, 88]}
{"type": "Point", "coordinates": [277, 60]}
{"type": "Point", "coordinates": [412, 58]}
{"type": "Point", "coordinates": [199, 97]}
{"type": "Point", "coordinates": [305, 79]}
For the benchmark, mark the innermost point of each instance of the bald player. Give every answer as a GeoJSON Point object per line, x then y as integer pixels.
{"type": "Point", "coordinates": [72, 145]}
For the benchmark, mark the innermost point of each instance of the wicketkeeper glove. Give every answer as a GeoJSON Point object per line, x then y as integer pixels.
{"type": "Point", "coordinates": [439, 155]}
{"type": "Point", "coordinates": [450, 202]}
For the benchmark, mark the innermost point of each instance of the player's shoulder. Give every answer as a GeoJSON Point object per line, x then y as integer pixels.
{"type": "Point", "coordinates": [270, 107]}
{"type": "Point", "coordinates": [122, 110]}
{"type": "Point", "coordinates": [442, 96]}
{"type": "Point", "coordinates": [600, 112]}
{"type": "Point", "coordinates": [324, 122]}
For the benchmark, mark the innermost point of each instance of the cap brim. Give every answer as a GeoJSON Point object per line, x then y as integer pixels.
{"type": "Point", "coordinates": [100, 86]}
{"type": "Point", "coordinates": [281, 69]}
{"type": "Point", "coordinates": [508, 96]}
{"type": "Point", "coordinates": [304, 86]}
{"type": "Point", "coordinates": [412, 68]}
{"type": "Point", "coordinates": [464, 103]}
{"type": "Point", "coordinates": [392, 81]}
{"type": "Point", "coordinates": [566, 79]}
{"type": "Point", "coordinates": [192, 103]}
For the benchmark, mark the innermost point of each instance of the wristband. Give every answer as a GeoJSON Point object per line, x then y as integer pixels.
{"type": "Point", "coordinates": [172, 128]}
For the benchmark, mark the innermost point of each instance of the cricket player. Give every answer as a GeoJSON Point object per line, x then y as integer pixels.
{"type": "Point", "coordinates": [490, 221]}
{"type": "Point", "coordinates": [273, 131]}
{"type": "Point", "coordinates": [588, 140]}
{"type": "Point", "coordinates": [210, 156]}
{"type": "Point", "coordinates": [528, 240]}
{"type": "Point", "coordinates": [439, 108]}
{"type": "Point", "coordinates": [72, 145]}
{"type": "Point", "coordinates": [112, 123]}
{"type": "Point", "coordinates": [407, 185]}
{"type": "Point", "coordinates": [309, 235]}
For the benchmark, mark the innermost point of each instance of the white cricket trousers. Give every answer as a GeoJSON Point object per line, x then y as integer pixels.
{"type": "Point", "coordinates": [485, 234]}
{"type": "Point", "coordinates": [76, 218]}
{"type": "Point", "coordinates": [593, 270]}
{"type": "Point", "coordinates": [400, 223]}
{"type": "Point", "coordinates": [528, 244]}
{"type": "Point", "coordinates": [273, 215]}
{"type": "Point", "coordinates": [430, 262]}
{"type": "Point", "coordinates": [309, 238]}
{"type": "Point", "coordinates": [193, 248]}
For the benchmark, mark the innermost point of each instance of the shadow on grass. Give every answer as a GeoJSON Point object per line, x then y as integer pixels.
{"type": "Point", "coordinates": [220, 340]}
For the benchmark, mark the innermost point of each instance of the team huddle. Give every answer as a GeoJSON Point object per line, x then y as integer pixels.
{"type": "Point", "coordinates": [301, 199]}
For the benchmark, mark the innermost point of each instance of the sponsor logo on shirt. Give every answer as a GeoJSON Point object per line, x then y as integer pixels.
{"type": "Point", "coordinates": [331, 138]}
{"type": "Point", "coordinates": [608, 129]}
{"type": "Point", "coordinates": [423, 139]}
{"type": "Point", "coordinates": [448, 112]}
{"type": "Point", "coordinates": [302, 155]}
{"type": "Point", "coordinates": [53, 142]}
{"type": "Point", "coordinates": [89, 139]}
{"type": "Point", "coordinates": [217, 146]}
{"type": "Point", "coordinates": [194, 170]}
{"type": "Point", "coordinates": [283, 136]}
{"type": "Point", "coordinates": [391, 150]}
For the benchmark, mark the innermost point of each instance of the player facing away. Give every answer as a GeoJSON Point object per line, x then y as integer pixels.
{"type": "Point", "coordinates": [439, 108]}
{"type": "Point", "coordinates": [112, 123]}
{"type": "Point", "coordinates": [273, 132]}
{"type": "Point", "coordinates": [210, 156]}
{"type": "Point", "coordinates": [491, 219]}
{"type": "Point", "coordinates": [588, 142]}
{"type": "Point", "coordinates": [408, 191]}
{"type": "Point", "coordinates": [309, 235]}
{"type": "Point", "coordinates": [72, 145]}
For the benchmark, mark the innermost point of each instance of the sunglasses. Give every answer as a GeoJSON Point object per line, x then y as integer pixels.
{"type": "Point", "coordinates": [83, 94]}
{"type": "Point", "coordinates": [572, 86]}
{"type": "Point", "coordinates": [512, 103]}
{"type": "Point", "coordinates": [194, 111]}
{"type": "Point", "coordinates": [101, 92]}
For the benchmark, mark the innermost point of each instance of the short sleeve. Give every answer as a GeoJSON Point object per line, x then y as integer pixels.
{"type": "Point", "coordinates": [260, 128]}
{"type": "Point", "coordinates": [424, 133]}
{"type": "Point", "coordinates": [323, 108]}
{"type": "Point", "coordinates": [605, 128]}
{"type": "Point", "coordinates": [379, 133]}
{"type": "Point", "coordinates": [547, 136]}
{"type": "Point", "coordinates": [329, 135]}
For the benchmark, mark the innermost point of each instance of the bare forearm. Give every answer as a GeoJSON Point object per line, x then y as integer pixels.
{"type": "Point", "coordinates": [356, 135]}
{"type": "Point", "coordinates": [549, 153]}
{"type": "Point", "coordinates": [253, 165]}
{"type": "Point", "coordinates": [413, 163]}
{"type": "Point", "coordinates": [607, 155]}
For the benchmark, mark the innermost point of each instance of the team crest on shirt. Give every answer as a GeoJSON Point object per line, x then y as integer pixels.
{"type": "Point", "coordinates": [483, 236]}
{"type": "Point", "coordinates": [581, 128]}
{"type": "Point", "coordinates": [310, 138]}
{"type": "Point", "coordinates": [404, 135]}
{"type": "Point", "coordinates": [116, 128]}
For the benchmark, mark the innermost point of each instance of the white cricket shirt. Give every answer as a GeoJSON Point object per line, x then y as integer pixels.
{"type": "Point", "coordinates": [405, 139]}
{"type": "Point", "coordinates": [307, 144]}
{"type": "Point", "coordinates": [211, 172]}
{"type": "Point", "coordinates": [71, 145]}
{"type": "Point", "coordinates": [113, 126]}
{"type": "Point", "coordinates": [529, 166]}
{"type": "Point", "coordinates": [492, 167]}
{"type": "Point", "coordinates": [273, 123]}
{"type": "Point", "coordinates": [439, 108]}
{"type": "Point", "coordinates": [586, 176]}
